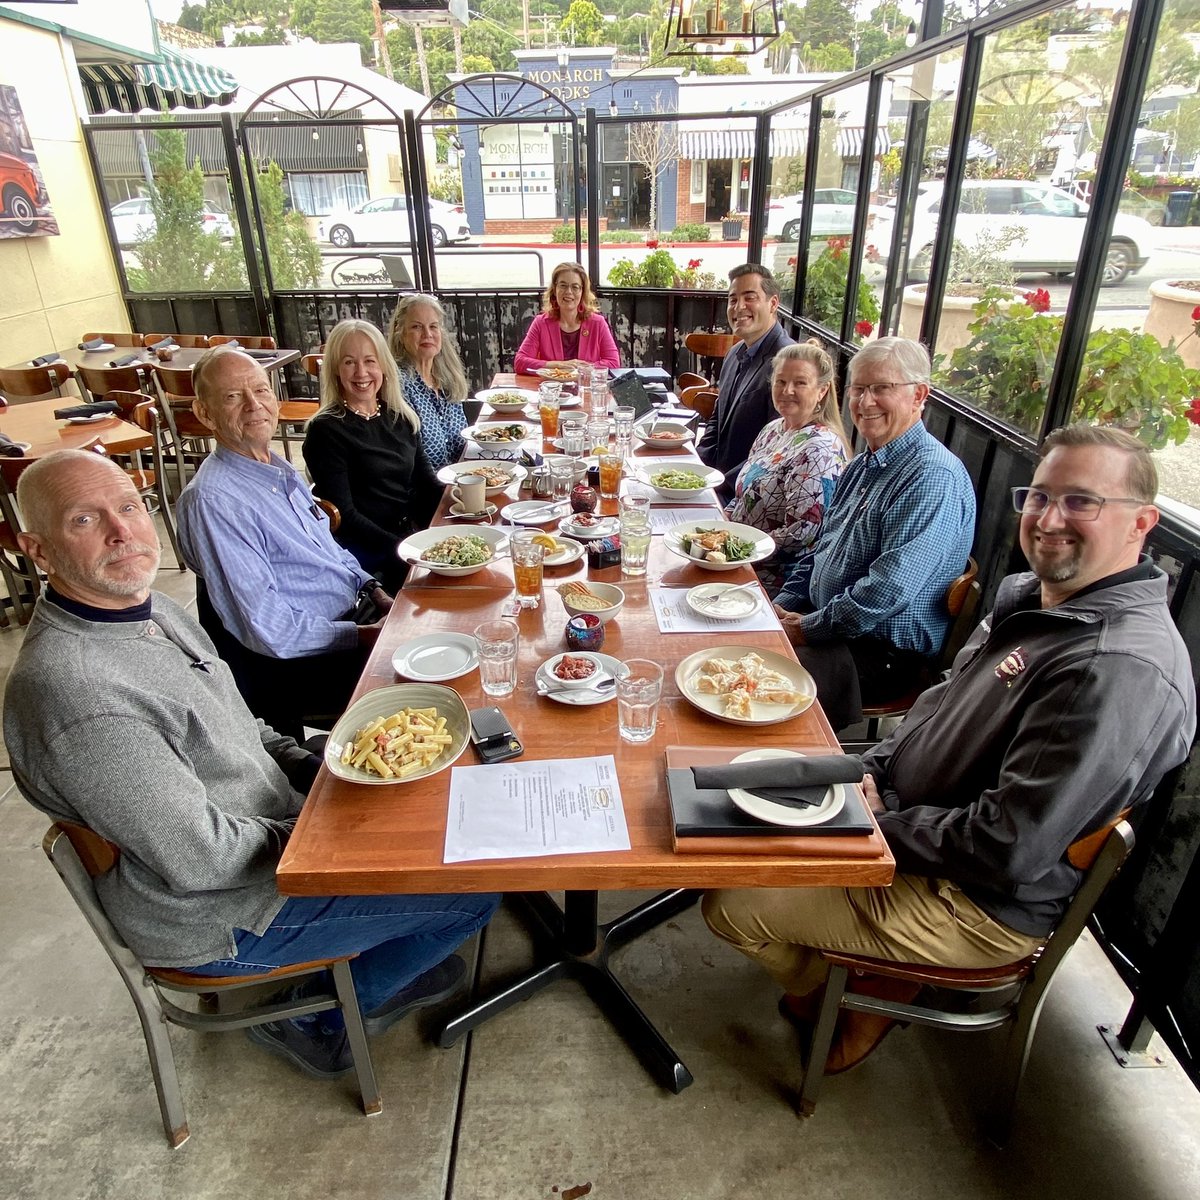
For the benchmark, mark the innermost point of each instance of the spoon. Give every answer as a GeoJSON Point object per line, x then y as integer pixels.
{"type": "Point", "coordinates": [544, 689]}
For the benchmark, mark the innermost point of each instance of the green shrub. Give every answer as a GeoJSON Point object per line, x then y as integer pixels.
{"type": "Point", "coordinates": [692, 232]}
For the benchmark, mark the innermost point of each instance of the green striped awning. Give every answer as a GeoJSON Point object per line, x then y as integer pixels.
{"type": "Point", "coordinates": [179, 73]}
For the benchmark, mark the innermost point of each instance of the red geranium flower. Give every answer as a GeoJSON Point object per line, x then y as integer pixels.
{"type": "Point", "coordinates": [694, 264]}
{"type": "Point", "coordinates": [1193, 413]}
{"type": "Point", "coordinates": [792, 261]}
{"type": "Point", "coordinates": [1196, 313]}
{"type": "Point", "coordinates": [864, 328]}
{"type": "Point", "coordinates": [652, 243]}
{"type": "Point", "coordinates": [1039, 300]}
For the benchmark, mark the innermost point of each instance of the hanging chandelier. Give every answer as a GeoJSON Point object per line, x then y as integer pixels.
{"type": "Point", "coordinates": [697, 27]}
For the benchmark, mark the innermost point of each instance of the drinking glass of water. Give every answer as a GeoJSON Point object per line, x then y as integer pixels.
{"type": "Point", "coordinates": [639, 690]}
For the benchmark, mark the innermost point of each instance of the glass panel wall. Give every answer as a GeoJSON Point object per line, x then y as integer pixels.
{"type": "Point", "coordinates": [169, 202]}
{"type": "Point", "coordinates": [785, 197]}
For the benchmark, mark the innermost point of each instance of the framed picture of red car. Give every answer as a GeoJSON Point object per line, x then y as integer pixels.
{"type": "Point", "coordinates": [24, 205]}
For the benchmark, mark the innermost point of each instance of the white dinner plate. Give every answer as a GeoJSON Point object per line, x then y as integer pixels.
{"type": "Point", "coordinates": [534, 512]}
{"type": "Point", "coordinates": [384, 701]}
{"type": "Point", "coordinates": [449, 474]}
{"type": "Point", "coordinates": [484, 433]}
{"type": "Point", "coordinates": [91, 420]}
{"type": "Point", "coordinates": [760, 714]}
{"type": "Point", "coordinates": [436, 656]}
{"type": "Point", "coordinates": [102, 346]}
{"type": "Point", "coordinates": [572, 551]}
{"type": "Point", "coordinates": [764, 544]}
{"type": "Point", "coordinates": [608, 665]}
{"type": "Point", "coordinates": [605, 527]}
{"type": "Point", "coordinates": [711, 476]}
{"type": "Point", "coordinates": [490, 395]}
{"type": "Point", "coordinates": [744, 604]}
{"type": "Point", "coordinates": [783, 814]}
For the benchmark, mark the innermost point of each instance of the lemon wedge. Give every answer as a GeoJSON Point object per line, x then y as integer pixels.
{"type": "Point", "coordinates": [544, 539]}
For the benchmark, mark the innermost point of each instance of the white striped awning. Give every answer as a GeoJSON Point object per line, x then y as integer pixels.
{"type": "Point", "coordinates": [697, 144]}
{"type": "Point", "coordinates": [177, 82]}
{"type": "Point", "coordinates": [850, 141]}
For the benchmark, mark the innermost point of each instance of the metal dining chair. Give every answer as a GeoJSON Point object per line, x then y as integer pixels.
{"type": "Point", "coordinates": [187, 341]}
{"type": "Point", "coordinates": [97, 382]}
{"type": "Point", "coordinates": [245, 340]}
{"type": "Point", "coordinates": [81, 856]}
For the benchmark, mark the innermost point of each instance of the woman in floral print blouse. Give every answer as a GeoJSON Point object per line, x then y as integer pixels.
{"type": "Point", "coordinates": [795, 461]}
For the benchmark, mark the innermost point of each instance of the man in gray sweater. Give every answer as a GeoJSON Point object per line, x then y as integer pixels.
{"type": "Point", "coordinates": [120, 716]}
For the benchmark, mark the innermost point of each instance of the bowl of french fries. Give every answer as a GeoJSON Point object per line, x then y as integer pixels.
{"type": "Point", "coordinates": [399, 734]}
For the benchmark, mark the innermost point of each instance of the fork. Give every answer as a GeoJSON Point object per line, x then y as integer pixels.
{"type": "Point", "coordinates": [719, 598]}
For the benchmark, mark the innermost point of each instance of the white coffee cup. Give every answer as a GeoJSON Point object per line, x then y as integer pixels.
{"type": "Point", "coordinates": [469, 491]}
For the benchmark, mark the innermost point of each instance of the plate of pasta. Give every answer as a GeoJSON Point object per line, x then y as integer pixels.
{"type": "Point", "coordinates": [399, 734]}
{"type": "Point", "coordinates": [745, 687]}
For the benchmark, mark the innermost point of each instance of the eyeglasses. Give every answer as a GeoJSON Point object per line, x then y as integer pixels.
{"type": "Point", "coordinates": [1076, 506]}
{"type": "Point", "coordinates": [879, 391]}
{"type": "Point", "coordinates": [569, 287]}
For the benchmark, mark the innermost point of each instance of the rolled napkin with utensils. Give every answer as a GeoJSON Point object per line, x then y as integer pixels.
{"type": "Point", "coordinates": [167, 343]}
{"type": "Point", "coordinates": [125, 360]}
{"type": "Point", "coordinates": [11, 449]}
{"type": "Point", "coordinates": [265, 354]}
{"type": "Point", "coordinates": [796, 782]}
{"type": "Point", "coordinates": [97, 409]}
{"type": "Point", "coordinates": [46, 359]}
{"type": "Point", "coordinates": [91, 344]}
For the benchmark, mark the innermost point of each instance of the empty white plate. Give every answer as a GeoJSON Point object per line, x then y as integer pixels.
{"type": "Point", "coordinates": [436, 656]}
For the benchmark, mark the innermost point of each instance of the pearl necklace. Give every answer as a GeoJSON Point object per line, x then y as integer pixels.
{"type": "Point", "coordinates": [365, 416]}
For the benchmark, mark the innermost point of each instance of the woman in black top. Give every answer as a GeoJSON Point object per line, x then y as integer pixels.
{"type": "Point", "coordinates": [363, 451]}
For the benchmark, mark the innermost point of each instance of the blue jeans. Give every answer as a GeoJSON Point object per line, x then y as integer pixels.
{"type": "Point", "coordinates": [396, 938]}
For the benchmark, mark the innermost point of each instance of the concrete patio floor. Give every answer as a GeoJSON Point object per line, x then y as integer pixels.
{"type": "Point", "coordinates": [547, 1098]}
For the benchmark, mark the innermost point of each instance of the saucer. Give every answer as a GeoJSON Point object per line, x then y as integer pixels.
{"type": "Point", "coordinates": [456, 512]}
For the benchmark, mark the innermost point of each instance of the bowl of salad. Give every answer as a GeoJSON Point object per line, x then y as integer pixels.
{"type": "Point", "coordinates": [683, 482]}
{"type": "Point", "coordinates": [507, 400]}
{"type": "Point", "coordinates": [499, 433]}
{"type": "Point", "coordinates": [720, 545]}
{"type": "Point", "coordinates": [446, 553]}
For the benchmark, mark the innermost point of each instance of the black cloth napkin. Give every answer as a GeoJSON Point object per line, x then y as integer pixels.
{"type": "Point", "coordinates": [260, 353]}
{"type": "Point", "coordinates": [125, 360]}
{"type": "Point", "coordinates": [796, 782]}
{"type": "Point", "coordinates": [100, 407]}
{"type": "Point", "coordinates": [92, 344]}
{"type": "Point", "coordinates": [46, 359]}
{"type": "Point", "coordinates": [9, 448]}
{"type": "Point", "coordinates": [164, 343]}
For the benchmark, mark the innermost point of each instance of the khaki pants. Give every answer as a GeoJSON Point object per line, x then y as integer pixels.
{"type": "Point", "coordinates": [915, 920]}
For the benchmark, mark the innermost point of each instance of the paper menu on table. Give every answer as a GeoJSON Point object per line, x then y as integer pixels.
{"type": "Point", "coordinates": [675, 615]}
{"type": "Point", "coordinates": [663, 519]}
{"type": "Point", "coordinates": [533, 809]}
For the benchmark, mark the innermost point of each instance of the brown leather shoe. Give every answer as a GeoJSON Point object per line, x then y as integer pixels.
{"type": "Point", "coordinates": [858, 1033]}
{"type": "Point", "coordinates": [801, 1010]}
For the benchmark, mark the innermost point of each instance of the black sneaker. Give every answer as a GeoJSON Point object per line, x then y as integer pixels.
{"type": "Point", "coordinates": [319, 1054]}
{"type": "Point", "coordinates": [437, 984]}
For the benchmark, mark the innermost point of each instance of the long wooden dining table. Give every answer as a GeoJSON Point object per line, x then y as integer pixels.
{"type": "Point", "coordinates": [352, 838]}
{"type": "Point", "coordinates": [35, 424]}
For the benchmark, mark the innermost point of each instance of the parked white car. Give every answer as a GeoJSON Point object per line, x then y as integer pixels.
{"type": "Point", "coordinates": [134, 219]}
{"type": "Point", "coordinates": [384, 220]}
{"type": "Point", "coordinates": [1050, 223]}
{"type": "Point", "coordinates": [833, 213]}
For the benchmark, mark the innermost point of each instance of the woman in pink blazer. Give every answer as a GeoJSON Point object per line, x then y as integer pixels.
{"type": "Point", "coordinates": [568, 332]}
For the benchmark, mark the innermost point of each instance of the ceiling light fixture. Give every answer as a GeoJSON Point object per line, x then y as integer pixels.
{"type": "Point", "coordinates": [694, 29]}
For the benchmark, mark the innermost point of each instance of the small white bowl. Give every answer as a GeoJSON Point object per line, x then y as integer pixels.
{"type": "Point", "coordinates": [606, 591]}
{"type": "Point", "coordinates": [570, 684]}
{"type": "Point", "coordinates": [413, 548]}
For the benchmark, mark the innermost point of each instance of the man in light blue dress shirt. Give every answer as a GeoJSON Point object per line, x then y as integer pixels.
{"type": "Point", "coordinates": [279, 594]}
{"type": "Point", "coordinates": [866, 608]}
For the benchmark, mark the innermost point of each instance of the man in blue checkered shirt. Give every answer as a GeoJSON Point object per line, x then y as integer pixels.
{"type": "Point", "coordinates": [866, 608]}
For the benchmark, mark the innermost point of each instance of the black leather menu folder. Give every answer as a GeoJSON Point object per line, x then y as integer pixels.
{"type": "Point", "coordinates": [709, 812]}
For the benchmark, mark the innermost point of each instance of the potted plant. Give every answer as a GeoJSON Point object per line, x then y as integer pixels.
{"type": "Point", "coordinates": [825, 291]}
{"type": "Point", "coordinates": [1129, 379]}
{"type": "Point", "coordinates": [660, 270]}
{"type": "Point", "coordinates": [977, 272]}
{"type": "Point", "coordinates": [1174, 306]}
{"type": "Point", "coordinates": [731, 226]}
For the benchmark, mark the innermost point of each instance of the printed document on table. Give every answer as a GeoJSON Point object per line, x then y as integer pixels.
{"type": "Point", "coordinates": [531, 809]}
{"type": "Point", "coordinates": [664, 519]}
{"type": "Point", "coordinates": [675, 615]}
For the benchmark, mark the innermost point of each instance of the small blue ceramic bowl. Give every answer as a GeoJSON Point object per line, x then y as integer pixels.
{"type": "Point", "coordinates": [585, 632]}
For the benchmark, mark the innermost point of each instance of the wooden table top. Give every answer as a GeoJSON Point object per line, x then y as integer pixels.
{"type": "Point", "coordinates": [36, 424]}
{"type": "Point", "coordinates": [353, 838]}
{"type": "Point", "coordinates": [184, 357]}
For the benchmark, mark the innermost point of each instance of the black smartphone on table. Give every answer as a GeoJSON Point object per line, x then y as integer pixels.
{"type": "Point", "coordinates": [493, 736]}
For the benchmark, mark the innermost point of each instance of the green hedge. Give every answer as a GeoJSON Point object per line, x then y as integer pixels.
{"type": "Point", "coordinates": [694, 232]}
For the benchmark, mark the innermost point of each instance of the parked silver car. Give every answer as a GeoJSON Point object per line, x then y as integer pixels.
{"type": "Point", "coordinates": [135, 219]}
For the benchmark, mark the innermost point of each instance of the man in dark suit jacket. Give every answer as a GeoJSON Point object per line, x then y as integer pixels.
{"type": "Point", "coordinates": [744, 392]}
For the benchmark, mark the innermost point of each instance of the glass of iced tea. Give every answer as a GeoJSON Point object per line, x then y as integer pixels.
{"type": "Point", "coordinates": [610, 475]}
{"type": "Point", "coordinates": [527, 567]}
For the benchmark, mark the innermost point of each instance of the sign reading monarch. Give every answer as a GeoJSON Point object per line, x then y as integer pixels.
{"type": "Point", "coordinates": [24, 205]}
